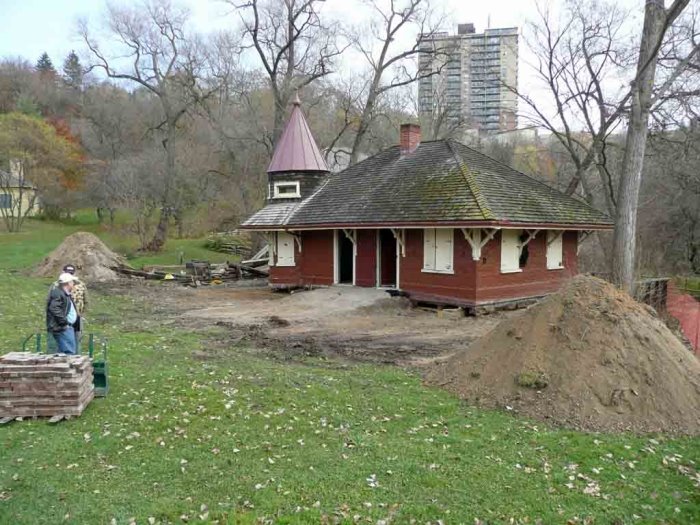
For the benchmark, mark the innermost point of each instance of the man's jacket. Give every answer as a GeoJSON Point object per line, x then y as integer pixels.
{"type": "Point", "coordinates": [79, 295]}
{"type": "Point", "coordinates": [57, 308]}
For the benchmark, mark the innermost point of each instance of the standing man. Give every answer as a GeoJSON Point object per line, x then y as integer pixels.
{"type": "Point", "coordinates": [61, 314]}
{"type": "Point", "coordinates": [79, 295]}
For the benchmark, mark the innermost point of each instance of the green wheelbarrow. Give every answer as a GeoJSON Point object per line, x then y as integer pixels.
{"type": "Point", "coordinates": [43, 343]}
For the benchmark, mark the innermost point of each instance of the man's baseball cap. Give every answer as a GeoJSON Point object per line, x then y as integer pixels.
{"type": "Point", "coordinates": [65, 278]}
{"type": "Point", "coordinates": [69, 268]}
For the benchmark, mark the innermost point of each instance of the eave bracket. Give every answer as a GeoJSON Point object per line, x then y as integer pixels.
{"type": "Point", "coordinates": [351, 234]}
{"type": "Point", "coordinates": [400, 236]}
{"type": "Point", "coordinates": [478, 238]}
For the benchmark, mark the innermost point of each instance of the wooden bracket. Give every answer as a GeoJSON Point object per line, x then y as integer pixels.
{"type": "Point", "coordinates": [297, 239]}
{"type": "Point", "coordinates": [583, 235]}
{"type": "Point", "coordinates": [476, 241]}
{"type": "Point", "coordinates": [400, 236]}
{"type": "Point", "coordinates": [531, 234]}
{"type": "Point", "coordinates": [555, 237]}
{"type": "Point", "coordinates": [272, 243]}
{"type": "Point", "coordinates": [350, 234]}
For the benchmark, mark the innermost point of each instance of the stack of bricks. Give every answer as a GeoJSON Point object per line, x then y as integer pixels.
{"type": "Point", "coordinates": [40, 385]}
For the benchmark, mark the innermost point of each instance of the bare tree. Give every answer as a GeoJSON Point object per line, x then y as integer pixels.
{"type": "Point", "coordinates": [293, 45]}
{"type": "Point", "coordinates": [391, 65]}
{"type": "Point", "coordinates": [669, 227]}
{"type": "Point", "coordinates": [657, 20]}
{"type": "Point", "coordinates": [112, 127]}
{"type": "Point", "coordinates": [582, 61]}
{"type": "Point", "coordinates": [152, 50]}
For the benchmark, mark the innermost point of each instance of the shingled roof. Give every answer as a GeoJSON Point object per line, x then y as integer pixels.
{"type": "Point", "coordinates": [296, 149]}
{"type": "Point", "coordinates": [440, 182]}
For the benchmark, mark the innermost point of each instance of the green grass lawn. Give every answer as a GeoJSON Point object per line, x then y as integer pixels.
{"type": "Point", "coordinates": [39, 237]}
{"type": "Point", "coordinates": [243, 439]}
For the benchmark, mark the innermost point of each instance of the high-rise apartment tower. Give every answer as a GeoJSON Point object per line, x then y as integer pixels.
{"type": "Point", "coordinates": [477, 74]}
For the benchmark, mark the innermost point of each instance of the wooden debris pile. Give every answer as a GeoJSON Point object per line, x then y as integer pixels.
{"type": "Point", "coordinates": [43, 385]}
{"type": "Point", "coordinates": [197, 273]}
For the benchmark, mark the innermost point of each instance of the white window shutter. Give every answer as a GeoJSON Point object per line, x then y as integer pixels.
{"type": "Point", "coordinates": [510, 251]}
{"type": "Point", "coordinates": [429, 249]}
{"type": "Point", "coordinates": [555, 250]}
{"type": "Point", "coordinates": [285, 249]}
{"type": "Point", "coordinates": [444, 250]}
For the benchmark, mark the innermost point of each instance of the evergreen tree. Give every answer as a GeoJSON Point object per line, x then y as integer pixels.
{"type": "Point", "coordinates": [26, 105]}
{"type": "Point", "coordinates": [73, 71]}
{"type": "Point", "coordinates": [44, 65]}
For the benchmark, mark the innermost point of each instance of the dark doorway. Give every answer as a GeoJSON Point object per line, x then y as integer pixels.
{"type": "Point", "coordinates": [346, 259]}
{"type": "Point", "coordinates": [387, 258]}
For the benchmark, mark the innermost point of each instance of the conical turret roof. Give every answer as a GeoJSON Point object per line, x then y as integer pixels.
{"type": "Point", "coordinates": [296, 149]}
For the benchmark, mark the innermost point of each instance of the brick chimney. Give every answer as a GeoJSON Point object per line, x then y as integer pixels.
{"type": "Point", "coordinates": [410, 138]}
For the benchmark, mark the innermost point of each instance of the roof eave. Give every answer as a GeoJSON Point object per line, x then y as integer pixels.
{"type": "Point", "coordinates": [423, 224]}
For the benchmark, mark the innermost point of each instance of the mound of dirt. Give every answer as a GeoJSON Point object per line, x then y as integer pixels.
{"type": "Point", "coordinates": [88, 253]}
{"type": "Point", "coordinates": [589, 357]}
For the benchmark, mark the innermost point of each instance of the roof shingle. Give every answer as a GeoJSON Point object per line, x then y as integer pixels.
{"type": "Point", "coordinates": [441, 181]}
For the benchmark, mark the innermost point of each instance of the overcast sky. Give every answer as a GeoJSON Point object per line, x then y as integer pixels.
{"type": "Point", "coordinates": [30, 27]}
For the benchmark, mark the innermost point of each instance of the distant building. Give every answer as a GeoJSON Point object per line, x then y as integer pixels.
{"type": "Point", "coordinates": [18, 197]}
{"type": "Point", "coordinates": [472, 88]}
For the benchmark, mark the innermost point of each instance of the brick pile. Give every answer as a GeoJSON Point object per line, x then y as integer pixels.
{"type": "Point", "coordinates": [43, 385]}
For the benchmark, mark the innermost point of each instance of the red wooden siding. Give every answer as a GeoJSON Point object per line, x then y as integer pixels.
{"type": "Point", "coordinates": [459, 286]}
{"type": "Point", "coordinates": [473, 282]}
{"type": "Point", "coordinates": [314, 264]}
{"type": "Point", "coordinates": [366, 260]}
{"type": "Point", "coordinates": [534, 280]}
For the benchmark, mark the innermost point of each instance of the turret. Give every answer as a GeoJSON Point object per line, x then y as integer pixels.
{"type": "Point", "coordinates": [297, 167]}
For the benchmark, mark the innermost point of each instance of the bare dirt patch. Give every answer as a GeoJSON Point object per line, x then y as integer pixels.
{"type": "Point", "coordinates": [91, 257]}
{"type": "Point", "coordinates": [362, 324]}
{"type": "Point", "coordinates": [588, 357]}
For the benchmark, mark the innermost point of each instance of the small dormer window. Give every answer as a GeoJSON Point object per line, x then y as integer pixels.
{"type": "Point", "coordinates": [286, 190]}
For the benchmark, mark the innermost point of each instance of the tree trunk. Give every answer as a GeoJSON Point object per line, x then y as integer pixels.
{"type": "Point", "coordinates": [280, 114]}
{"type": "Point", "coordinates": [161, 235]}
{"type": "Point", "coordinates": [624, 242]}
{"type": "Point", "coordinates": [179, 223]}
{"type": "Point", "coordinates": [364, 125]}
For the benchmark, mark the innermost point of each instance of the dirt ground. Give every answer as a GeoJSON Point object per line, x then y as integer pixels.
{"type": "Point", "coordinates": [362, 324]}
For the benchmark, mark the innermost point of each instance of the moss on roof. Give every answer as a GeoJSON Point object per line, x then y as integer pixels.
{"type": "Point", "coordinates": [440, 181]}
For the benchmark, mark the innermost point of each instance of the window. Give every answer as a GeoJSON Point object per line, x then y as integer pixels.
{"type": "Point", "coordinates": [437, 250]}
{"type": "Point", "coordinates": [286, 190]}
{"type": "Point", "coordinates": [510, 251]}
{"type": "Point", "coordinates": [555, 250]}
{"type": "Point", "coordinates": [5, 201]}
{"type": "Point", "coordinates": [285, 249]}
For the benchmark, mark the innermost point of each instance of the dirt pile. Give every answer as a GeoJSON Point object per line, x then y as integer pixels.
{"type": "Point", "coordinates": [588, 357]}
{"type": "Point", "coordinates": [88, 253]}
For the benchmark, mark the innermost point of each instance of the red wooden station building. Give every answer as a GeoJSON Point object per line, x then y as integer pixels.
{"type": "Point", "coordinates": [436, 220]}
